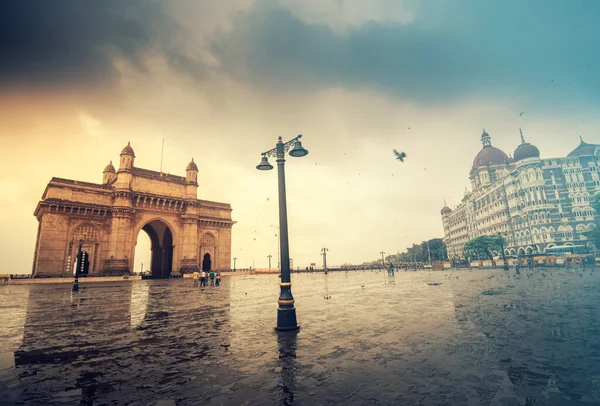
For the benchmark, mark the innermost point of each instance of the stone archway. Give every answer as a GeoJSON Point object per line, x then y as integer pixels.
{"type": "Point", "coordinates": [208, 245]}
{"type": "Point", "coordinates": [108, 217]}
{"type": "Point", "coordinates": [161, 245]}
{"type": "Point", "coordinates": [206, 263]}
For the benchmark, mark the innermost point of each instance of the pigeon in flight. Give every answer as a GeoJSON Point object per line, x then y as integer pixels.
{"type": "Point", "coordinates": [400, 155]}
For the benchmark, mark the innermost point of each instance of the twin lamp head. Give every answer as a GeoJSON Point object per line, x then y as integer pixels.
{"type": "Point", "coordinates": [297, 152]}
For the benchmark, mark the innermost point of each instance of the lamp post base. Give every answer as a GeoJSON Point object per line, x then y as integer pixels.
{"type": "Point", "coordinates": [75, 287]}
{"type": "Point", "coordinates": [286, 320]}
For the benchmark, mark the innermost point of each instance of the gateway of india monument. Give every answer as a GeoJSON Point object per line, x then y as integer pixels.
{"type": "Point", "coordinates": [108, 217]}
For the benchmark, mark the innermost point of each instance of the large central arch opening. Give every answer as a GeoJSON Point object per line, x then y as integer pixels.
{"type": "Point", "coordinates": [159, 263]}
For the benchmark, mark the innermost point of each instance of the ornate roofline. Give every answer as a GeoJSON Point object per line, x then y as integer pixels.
{"type": "Point", "coordinates": [147, 173]}
{"type": "Point", "coordinates": [78, 183]}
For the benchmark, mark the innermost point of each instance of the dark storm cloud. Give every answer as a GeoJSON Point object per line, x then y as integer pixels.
{"type": "Point", "coordinates": [452, 49]}
{"type": "Point", "coordinates": [74, 42]}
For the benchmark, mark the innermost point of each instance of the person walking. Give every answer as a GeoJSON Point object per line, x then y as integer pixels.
{"type": "Point", "coordinates": [195, 277]}
{"type": "Point", "coordinates": [203, 279]}
{"type": "Point", "coordinates": [211, 275]}
{"type": "Point", "coordinates": [218, 278]}
{"type": "Point", "coordinates": [530, 264]}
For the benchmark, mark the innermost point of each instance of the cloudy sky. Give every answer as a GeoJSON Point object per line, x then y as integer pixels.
{"type": "Point", "coordinates": [220, 81]}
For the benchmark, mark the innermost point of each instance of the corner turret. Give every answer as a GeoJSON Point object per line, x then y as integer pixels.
{"type": "Point", "coordinates": [109, 174]}
{"type": "Point", "coordinates": [191, 177]}
{"type": "Point", "coordinates": [127, 157]}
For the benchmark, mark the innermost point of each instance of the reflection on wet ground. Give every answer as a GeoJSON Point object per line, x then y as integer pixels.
{"type": "Point", "coordinates": [449, 338]}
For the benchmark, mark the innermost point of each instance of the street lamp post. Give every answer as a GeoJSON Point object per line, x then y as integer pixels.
{"type": "Point", "coordinates": [503, 253]}
{"type": "Point", "coordinates": [286, 313]}
{"type": "Point", "coordinates": [382, 259]}
{"type": "Point", "coordinates": [428, 252]}
{"type": "Point", "coordinates": [324, 253]}
{"type": "Point", "coordinates": [234, 259]}
{"type": "Point", "coordinates": [80, 264]}
{"type": "Point", "coordinates": [269, 256]}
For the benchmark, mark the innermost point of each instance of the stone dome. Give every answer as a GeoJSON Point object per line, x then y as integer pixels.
{"type": "Point", "coordinates": [128, 150]}
{"type": "Point", "coordinates": [110, 168]}
{"type": "Point", "coordinates": [526, 150]}
{"type": "Point", "coordinates": [446, 210]}
{"type": "Point", "coordinates": [584, 149]}
{"type": "Point", "coordinates": [488, 155]}
{"type": "Point", "coordinates": [192, 166]}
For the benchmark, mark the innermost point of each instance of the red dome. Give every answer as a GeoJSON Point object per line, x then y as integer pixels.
{"type": "Point", "coordinates": [488, 155]}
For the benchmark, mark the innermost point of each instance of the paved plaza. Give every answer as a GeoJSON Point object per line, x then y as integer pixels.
{"type": "Point", "coordinates": [426, 338]}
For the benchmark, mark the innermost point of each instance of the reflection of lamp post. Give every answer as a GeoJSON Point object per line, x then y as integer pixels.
{"type": "Point", "coordinates": [80, 264]}
{"type": "Point", "coordinates": [286, 313]}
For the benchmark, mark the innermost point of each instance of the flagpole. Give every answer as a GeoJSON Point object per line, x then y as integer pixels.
{"type": "Point", "coordinates": [161, 154]}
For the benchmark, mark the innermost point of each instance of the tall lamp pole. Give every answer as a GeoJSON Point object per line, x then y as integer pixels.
{"type": "Point", "coordinates": [324, 253]}
{"type": "Point", "coordinates": [269, 256]}
{"type": "Point", "coordinates": [382, 259]}
{"type": "Point", "coordinates": [428, 252]}
{"type": "Point", "coordinates": [80, 264]}
{"type": "Point", "coordinates": [234, 259]}
{"type": "Point", "coordinates": [286, 313]}
{"type": "Point", "coordinates": [503, 253]}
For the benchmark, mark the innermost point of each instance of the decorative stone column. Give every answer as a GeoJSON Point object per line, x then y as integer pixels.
{"type": "Point", "coordinates": [120, 246]}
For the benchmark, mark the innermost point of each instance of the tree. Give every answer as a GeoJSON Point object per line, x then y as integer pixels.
{"type": "Point", "coordinates": [596, 203]}
{"type": "Point", "coordinates": [420, 252]}
{"type": "Point", "coordinates": [482, 247]}
{"type": "Point", "coordinates": [437, 247]}
{"type": "Point", "coordinates": [594, 235]}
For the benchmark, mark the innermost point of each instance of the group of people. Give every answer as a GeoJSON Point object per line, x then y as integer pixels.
{"type": "Point", "coordinates": [204, 277]}
{"type": "Point", "coordinates": [529, 263]}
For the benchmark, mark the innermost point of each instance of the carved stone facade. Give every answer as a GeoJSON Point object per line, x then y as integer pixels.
{"type": "Point", "coordinates": [534, 203]}
{"type": "Point", "coordinates": [108, 217]}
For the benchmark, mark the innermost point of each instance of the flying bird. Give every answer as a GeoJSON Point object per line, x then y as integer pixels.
{"type": "Point", "coordinates": [521, 113]}
{"type": "Point", "coordinates": [400, 155]}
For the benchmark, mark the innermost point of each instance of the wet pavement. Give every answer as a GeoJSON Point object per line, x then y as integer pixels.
{"type": "Point", "coordinates": [439, 338]}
